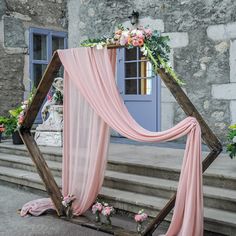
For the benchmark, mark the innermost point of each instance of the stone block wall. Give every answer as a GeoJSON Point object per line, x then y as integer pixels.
{"type": "Point", "coordinates": [203, 35]}
{"type": "Point", "coordinates": [15, 19]}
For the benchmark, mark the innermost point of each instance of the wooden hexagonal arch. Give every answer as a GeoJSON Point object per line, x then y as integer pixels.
{"type": "Point", "coordinates": [51, 186]}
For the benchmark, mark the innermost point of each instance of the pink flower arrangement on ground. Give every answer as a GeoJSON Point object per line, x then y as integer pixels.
{"type": "Point", "coordinates": [108, 210]}
{"type": "Point", "coordinates": [67, 200]}
{"type": "Point", "coordinates": [2, 129]}
{"type": "Point", "coordinates": [97, 207]}
{"type": "Point", "coordinates": [141, 216]}
{"type": "Point", "coordinates": [104, 209]}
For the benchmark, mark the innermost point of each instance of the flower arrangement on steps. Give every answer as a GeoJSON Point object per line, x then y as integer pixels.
{"type": "Point", "coordinates": [105, 210]}
{"type": "Point", "coordinates": [67, 203]}
{"type": "Point", "coordinates": [15, 118]}
{"type": "Point", "coordinates": [152, 44]}
{"type": "Point", "coordinates": [140, 218]}
{"type": "Point", "coordinates": [231, 146]}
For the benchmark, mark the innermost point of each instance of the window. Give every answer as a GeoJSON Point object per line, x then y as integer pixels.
{"type": "Point", "coordinates": [138, 73]}
{"type": "Point", "coordinates": [43, 43]}
{"type": "Point", "coordinates": [139, 87]}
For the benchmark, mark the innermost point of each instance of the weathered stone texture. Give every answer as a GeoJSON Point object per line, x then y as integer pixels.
{"type": "Point", "coordinates": [11, 86]}
{"type": "Point", "coordinates": [15, 19]}
{"type": "Point", "coordinates": [14, 35]}
{"type": "Point", "coordinates": [43, 13]}
{"type": "Point", "coordinates": [202, 62]}
{"type": "Point", "coordinates": [2, 8]}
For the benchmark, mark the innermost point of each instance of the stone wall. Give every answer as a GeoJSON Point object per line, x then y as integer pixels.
{"type": "Point", "coordinates": [15, 19]}
{"type": "Point", "coordinates": [206, 60]}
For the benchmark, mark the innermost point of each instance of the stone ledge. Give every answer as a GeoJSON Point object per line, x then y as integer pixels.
{"type": "Point", "coordinates": [232, 60]}
{"type": "Point", "coordinates": [222, 31]}
{"type": "Point", "coordinates": [178, 39]}
{"type": "Point", "coordinates": [10, 50]}
{"type": "Point", "coordinates": [154, 24]}
{"type": "Point", "coordinates": [224, 91]}
{"type": "Point", "coordinates": [233, 111]}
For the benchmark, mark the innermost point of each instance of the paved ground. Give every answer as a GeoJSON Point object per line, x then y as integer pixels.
{"type": "Point", "coordinates": [11, 224]}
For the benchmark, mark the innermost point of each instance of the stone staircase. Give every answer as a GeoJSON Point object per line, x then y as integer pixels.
{"type": "Point", "coordinates": [138, 177]}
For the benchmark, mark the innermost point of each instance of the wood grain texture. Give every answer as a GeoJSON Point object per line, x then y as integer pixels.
{"type": "Point", "coordinates": [43, 171]}
{"type": "Point", "coordinates": [207, 135]}
{"type": "Point", "coordinates": [41, 92]}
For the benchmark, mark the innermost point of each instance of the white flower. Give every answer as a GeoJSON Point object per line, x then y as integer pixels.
{"type": "Point", "coordinates": [99, 46]}
{"type": "Point", "coordinates": [234, 139]}
{"type": "Point", "coordinates": [23, 107]}
{"type": "Point", "coordinates": [64, 203]}
{"type": "Point", "coordinates": [144, 51]}
{"type": "Point", "coordinates": [134, 32]}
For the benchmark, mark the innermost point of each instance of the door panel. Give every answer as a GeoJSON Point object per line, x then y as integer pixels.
{"type": "Point", "coordinates": [139, 87]}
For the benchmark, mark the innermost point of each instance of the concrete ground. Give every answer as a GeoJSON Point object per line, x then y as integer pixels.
{"type": "Point", "coordinates": [12, 224]}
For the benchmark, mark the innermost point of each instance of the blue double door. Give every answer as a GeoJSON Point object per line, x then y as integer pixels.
{"type": "Point", "coordinates": [139, 87]}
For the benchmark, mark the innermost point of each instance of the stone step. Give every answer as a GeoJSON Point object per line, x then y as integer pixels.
{"type": "Point", "coordinates": [215, 220]}
{"type": "Point", "coordinates": [25, 163]}
{"type": "Point", "coordinates": [23, 178]}
{"type": "Point", "coordinates": [219, 198]}
{"type": "Point", "coordinates": [171, 172]}
{"type": "Point", "coordinates": [213, 197]}
{"type": "Point", "coordinates": [49, 153]}
{"type": "Point", "coordinates": [146, 161]}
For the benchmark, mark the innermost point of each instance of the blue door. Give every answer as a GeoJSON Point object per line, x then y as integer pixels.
{"type": "Point", "coordinates": [139, 87]}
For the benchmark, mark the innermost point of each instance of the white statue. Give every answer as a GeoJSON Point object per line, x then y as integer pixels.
{"type": "Point", "coordinates": [49, 133]}
{"type": "Point", "coordinates": [57, 98]}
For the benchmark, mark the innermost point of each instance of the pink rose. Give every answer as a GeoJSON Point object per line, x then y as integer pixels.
{"type": "Point", "coordinates": [135, 43]}
{"type": "Point", "coordinates": [138, 218]}
{"type": "Point", "coordinates": [148, 32]}
{"type": "Point", "coordinates": [144, 216]}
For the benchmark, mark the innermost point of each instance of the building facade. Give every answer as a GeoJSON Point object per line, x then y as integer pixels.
{"type": "Point", "coordinates": [29, 32]}
{"type": "Point", "coordinates": [203, 40]}
{"type": "Point", "coordinates": [202, 37]}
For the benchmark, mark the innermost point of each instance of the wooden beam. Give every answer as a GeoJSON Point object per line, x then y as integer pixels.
{"type": "Point", "coordinates": [42, 91]}
{"type": "Point", "coordinates": [44, 171]}
{"type": "Point", "coordinates": [171, 203]}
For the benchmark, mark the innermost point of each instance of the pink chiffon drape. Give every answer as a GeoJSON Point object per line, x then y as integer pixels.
{"type": "Point", "coordinates": [92, 104]}
{"type": "Point", "coordinates": [90, 74]}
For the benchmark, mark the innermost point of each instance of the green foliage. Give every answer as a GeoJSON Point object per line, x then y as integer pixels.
{"type": "Point", "coordinates": [10, 126]}
{"type": "Point", "coordinates": [231, 147]}
{"type": "Point", "coordinates": [16, 112]}
{"type": "Point", "coordinates": [3, 120]}
{"type": "Point", "coordinates": [58, 97]}
{"type": "Point", "coordinates": [93, 42]}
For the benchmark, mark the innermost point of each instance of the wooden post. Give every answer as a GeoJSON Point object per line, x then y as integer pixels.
{"type": "Point", "coordinates": [41, 92]}
{"type": "Point", "coordinates": [207, 135]}
{"type": "Point", "coordinates": [37, 157]}
{"type": "Point", "coordinates": [171, 203]}
{"type": "Point", "coordinates": [44, 171]}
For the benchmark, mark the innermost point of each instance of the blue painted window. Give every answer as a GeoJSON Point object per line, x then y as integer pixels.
{"type": "Point", "coordinates": [42, 44]}
{"type": "Point", "coordinates": [139, 87]}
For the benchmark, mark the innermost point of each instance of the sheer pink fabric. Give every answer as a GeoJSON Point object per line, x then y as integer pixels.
{"type": "Point", "coordinates": [92, 104]}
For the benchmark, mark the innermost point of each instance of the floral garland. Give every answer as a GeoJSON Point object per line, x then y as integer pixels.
{"type": "Point", "coordinates": [152, 44]}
